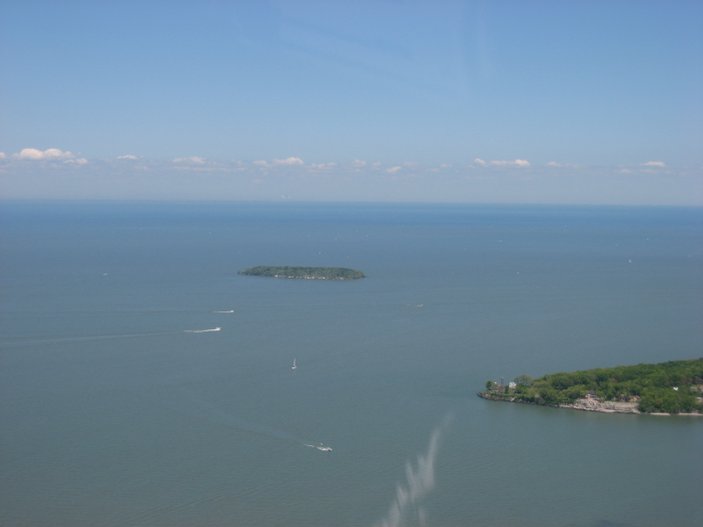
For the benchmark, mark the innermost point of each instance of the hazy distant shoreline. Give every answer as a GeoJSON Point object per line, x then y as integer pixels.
{"type": "Point", "coordinates": [303, 273]}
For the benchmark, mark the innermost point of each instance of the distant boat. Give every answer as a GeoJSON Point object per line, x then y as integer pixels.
{"type": "Point", "coordinates": [321, 447]}
{"type": "Point", "coordinates": [294, 366]}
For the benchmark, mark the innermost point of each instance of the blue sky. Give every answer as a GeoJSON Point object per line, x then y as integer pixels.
{"type": "Point", "coordinates": [501, 101]}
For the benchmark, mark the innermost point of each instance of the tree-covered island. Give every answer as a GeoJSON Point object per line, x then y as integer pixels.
{"type": "Point", "coordinates": [304, 273]}
{"type": "Point", "coordinates": [674, 387]}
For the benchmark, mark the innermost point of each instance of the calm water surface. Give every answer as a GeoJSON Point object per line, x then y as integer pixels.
{"type": "Point", "coordinates": [114, 414]}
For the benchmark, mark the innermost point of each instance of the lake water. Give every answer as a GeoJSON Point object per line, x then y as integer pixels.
{"type": "Point", "coordinates": [115, 413]}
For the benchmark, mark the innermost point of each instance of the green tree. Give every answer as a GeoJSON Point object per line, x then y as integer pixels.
{"type": "Point", "coordinates": [523, 380]}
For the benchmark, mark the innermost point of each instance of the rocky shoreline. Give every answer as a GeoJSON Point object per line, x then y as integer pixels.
{"type": "Point", "coordinates": [616, 407]}
{"type": "Point", "coordinates": [607, 407]}
{"type": "Point", "coordinates": [589, 404]}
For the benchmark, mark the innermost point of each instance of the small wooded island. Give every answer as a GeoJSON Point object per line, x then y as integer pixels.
{"type": "Point", "coordinates": [304, 273]}
{"type": "Point", "coordinates": [667, 388]}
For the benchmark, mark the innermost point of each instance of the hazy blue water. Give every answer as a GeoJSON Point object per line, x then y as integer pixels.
{"type": "Point", "coordinates": [112, 415]}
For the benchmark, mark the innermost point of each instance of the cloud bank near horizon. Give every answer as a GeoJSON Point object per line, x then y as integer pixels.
{"type": "Point", "coordinates": [55, 173]}
{"type": "Point", "coordinates": [293, 161]}
{"type": "Point", "coordinates": [50, 154]}
{"type": "Point", "coordinates": [516, 163]}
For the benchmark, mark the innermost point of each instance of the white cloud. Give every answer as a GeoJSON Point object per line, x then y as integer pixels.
{"type": "Point", "coordinates": [394, 169]}
{"type": "Point", "coordinates": [358, 163]}
{"type": "Point", "coordinates": [654, 164]}
{"type": "Point", "coordinates": [559, 164]}
{"type": "Point", "coordinates": [50, 153]}
{"type": "Point", "coordinates": [80, 161]}
{"type": "Point", "coordinates": [518, 163]}
{"type": "Point", "coordinates": [30, 153]}
{"type": "Point", "coordinates": [512, 163]}
{"type": "Point", "coordinates": [2, 155]}
{"type": "Point", "coordinates": [128, 157]}
{"type": "Point", "coordinates": [323, 166]}
{"type": "Point", "coordinates": [260, 163]}
{"type": "Point", "coordinates": [191, 160]}
{"type": "Point", "coordinates": [289, 161]}
{"type": "Point", "coordinates": [55, 153]}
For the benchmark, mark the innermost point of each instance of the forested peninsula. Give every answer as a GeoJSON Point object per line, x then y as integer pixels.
{"type": "Point", "coordinates": [667, 388]}
{"type": "Point", "coordinates": [304, 273]}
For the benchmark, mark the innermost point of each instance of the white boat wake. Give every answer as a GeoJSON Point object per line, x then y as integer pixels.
{"type": "Point", "coordinates": [224, 311]}
{"type": "Point", "coordinates": [209, 330]}
{"type": "Point", "coordinates": [82, 338]}
{"type": "Point", "coordinates": [321, 447]}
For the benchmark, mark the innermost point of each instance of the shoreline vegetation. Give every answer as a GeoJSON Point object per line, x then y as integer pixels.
{"type": "Point", "coordinates": [304, 273]}
{"type": "Point", "coordinates": [668, 388]}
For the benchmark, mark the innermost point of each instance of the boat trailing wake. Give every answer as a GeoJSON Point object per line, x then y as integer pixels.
{"type": "Point", "coordinates": [321, 447]}
{"type": "Point", "coordinates": [82, 338]}
{"type": "Point", "coordinates": [208, 330]}
{"type": "Point", "coordinates": [419, 481]}
{"type": "Point", "coordinates": [88, 338]}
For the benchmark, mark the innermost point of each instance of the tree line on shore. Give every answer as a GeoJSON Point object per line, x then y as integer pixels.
{"type": "Point", "coordinates": [671, 387]}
